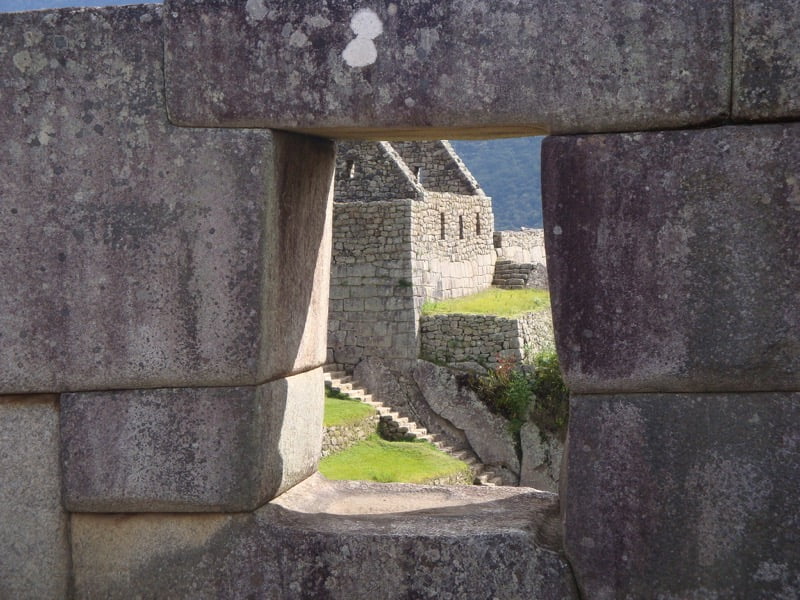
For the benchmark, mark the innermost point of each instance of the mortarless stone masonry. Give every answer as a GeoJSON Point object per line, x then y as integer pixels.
{"type": "Point", "coordinates": [461, 341]}
{"type": "Point", "coordinates": [687, 495]}
{"type": "Point", "coordinates": [389, 251]}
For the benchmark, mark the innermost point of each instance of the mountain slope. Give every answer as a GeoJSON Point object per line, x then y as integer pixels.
{"type": "Point", "coordinates": [508, 170]}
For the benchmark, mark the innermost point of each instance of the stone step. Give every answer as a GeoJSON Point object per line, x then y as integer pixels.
{"type": "Point", "coordinates": [398, 424]}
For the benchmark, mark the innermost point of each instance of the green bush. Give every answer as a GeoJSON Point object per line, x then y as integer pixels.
{"type": "Point", "coordinates": [534, 392]}
{"type": "Point", "coordinates": [550, 411]}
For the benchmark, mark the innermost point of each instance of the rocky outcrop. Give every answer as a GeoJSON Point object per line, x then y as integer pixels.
{"type": "Point", "coordinates": [541, 458]}
{"type": "Point", "coordinates": [487, 434]}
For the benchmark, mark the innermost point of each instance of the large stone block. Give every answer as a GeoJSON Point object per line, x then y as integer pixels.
{"type": "Point", "coordinates": [323, 539]}
{"type": "Point", "coordinates": [766, 60]}
{"type": "Point", "coordinates": [138, 254]}
{"type": "Point", "coordinates": [189, 450]}
{"type": "Point", "coordinates": [684, 496]}
{"type": "Point", "coordinates": [673, 259]}
{"type": "Point", "coordinates": [34, 545]}
{"type": "Point", "coordinates": [433, 69]}
{"type": "Point", "coordinates": [488, 434]}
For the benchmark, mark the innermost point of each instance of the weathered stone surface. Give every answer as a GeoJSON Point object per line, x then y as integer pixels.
{"type": "Point", "coordinates": [684, 496]}
{"type": "Point", "coordinates": [486, 433]}
{"type": "Point", "coordinates": [673, 259]}
{"type": "Point", "coordinates": [134, 253]}
{"type": "Point", "coordinates": [541, 458]}
{"type": "Point", "coordinates": [325, 539]}
{"type": "Point", "coordinates": [433, 69]}
{"type": "Point", "coordinates": [190, 450]}
{"type": "Point", "coordinates": [766, 60]}
{"type": "Point", "coordinates": [34, 546]}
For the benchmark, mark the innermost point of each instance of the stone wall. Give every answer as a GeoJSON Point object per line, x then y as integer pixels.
{"type": "Point", "coordinates": [372, 308]}
{"type": "Point", "coordinates": [467, 341]}
{"type": "Point", "coordinates": [672, 251]}
{"type": "Point", "coordinates": [437, 167]}
{"type": "Point", "coordinates": [461, 261]}
{"type": "Point", "coordinates": [372, 172]}
{"type": "Point", "coordinates": [340, 437]}
{"type": "Point", "coordinates": [526, 246]}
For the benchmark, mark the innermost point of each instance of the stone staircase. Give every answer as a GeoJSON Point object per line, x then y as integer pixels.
{"type": "Point", "coordinates": [400, 427]}
{"type": "Point", "coordinates": [516, 276]}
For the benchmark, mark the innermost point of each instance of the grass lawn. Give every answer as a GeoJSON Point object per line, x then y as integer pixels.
{"type": "Point", "coordinates": [375, 459]}
{"type": "Point", "coordinates": [343, 411]}
{"type": "Point", "coordinates": [494, 301]}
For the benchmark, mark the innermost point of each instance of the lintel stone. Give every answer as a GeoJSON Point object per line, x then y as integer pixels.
{"type": "Point", "coordinates": [673, 260]}
{"type": "Point", "coordinates": [428, 69]}
{"type": "Point", "coordinates": [189, 449]}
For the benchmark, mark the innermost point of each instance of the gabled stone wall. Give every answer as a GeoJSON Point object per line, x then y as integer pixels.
{"type": "Point", "coordinates": [437, 167]}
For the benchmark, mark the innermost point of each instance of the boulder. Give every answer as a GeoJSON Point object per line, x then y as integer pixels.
{"type": "Point", "coordinates": [541, 458]}
{"type": "Point", "coordinates": [487, 434]}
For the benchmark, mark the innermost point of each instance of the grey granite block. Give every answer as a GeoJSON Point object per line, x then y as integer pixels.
{"type": "Point", "coordinates": [766, 60]}
{"type": "Point", "coordinates": [34, 542]}
{"type": "Point", "coordinates": [322, 539]}
{"type": "Point", "coordinates": [684, 496]}
{"type": "Point", "coordinates": [189, 450]}
{"type": "Point", "coordinates": [673, 259]}
{"type": "Point", "coordinates": [433, 69]}
{"type": "Point", "coordinates": [138, 254]}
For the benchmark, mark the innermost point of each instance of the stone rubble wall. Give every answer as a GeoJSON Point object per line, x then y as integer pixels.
{"type": "Point", "coordinates": [525, 246]}
{"type": "Point", "coordinates": [372, 309]}
{"type": "Point", "coordinates": [454, 266]}
{"type": "Point", "coordinates": [340, 437]}
{"type": "Point", "coordinates": [463, 341]}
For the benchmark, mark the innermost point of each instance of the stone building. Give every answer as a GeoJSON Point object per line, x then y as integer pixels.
{"type": "Point", "coordinates": [410, 224]}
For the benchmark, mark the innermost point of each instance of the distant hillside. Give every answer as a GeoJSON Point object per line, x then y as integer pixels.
{"type": "Point", "coordinates": [509, 171]}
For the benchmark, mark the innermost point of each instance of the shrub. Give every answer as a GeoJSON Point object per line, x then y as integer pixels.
{"type": "Point", "coordinates": [534, 392]}
{"type": "Point", "coordinates": [550, 411]}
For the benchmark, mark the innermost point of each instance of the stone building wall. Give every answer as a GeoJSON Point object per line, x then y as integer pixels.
{"type": "Point", "coordinates": [526, 246]}
{"type": "Point", "coordinates": [372, 308]}
{"type": "Point", "coordinates": [372, 172]}
{"type": "Point", "coordinates": [437, 167]}
{"type": "Point", "coordinates": [461, 261]}
{"type": "Point", "coordinates": [467, 341]}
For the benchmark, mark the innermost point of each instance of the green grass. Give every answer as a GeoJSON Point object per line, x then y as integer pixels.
{"type": "Point", "coordinates": [375, 459]}
{"type": "Point", "coordinates": [343, 411]}
{"type": "Point", "coordinates": [494, 301]}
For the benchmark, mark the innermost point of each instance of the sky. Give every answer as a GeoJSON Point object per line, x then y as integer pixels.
{"type": "Point", "coordinates": [17, 5]}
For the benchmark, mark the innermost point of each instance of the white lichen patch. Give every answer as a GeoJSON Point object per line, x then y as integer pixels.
{"type": "Point", "coordinates": [29, 62]}
{"type": "Point", "coordinates": [298, 39]}
{"type": "Point", "coordinates": [361, 51]}
{"type": "Point", "coordinates": [256, 9]}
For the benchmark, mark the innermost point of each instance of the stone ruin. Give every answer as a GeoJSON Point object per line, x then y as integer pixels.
{"type": "Point", "coordinates": [165, 267]}
{"type": "Point", "coordinates": [410, 224]}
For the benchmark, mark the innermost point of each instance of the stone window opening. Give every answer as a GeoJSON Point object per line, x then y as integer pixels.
{"type": "Point", "coordinates": [477, 223]}
{"type": "Point", "coordinates": [418, 174]}
{"type": "Point", "coordinates": [460, 227]}
{"type": "Point", "coordinates": [441, 230]}
{"type": "Point", "coordinates": [350, 169]}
